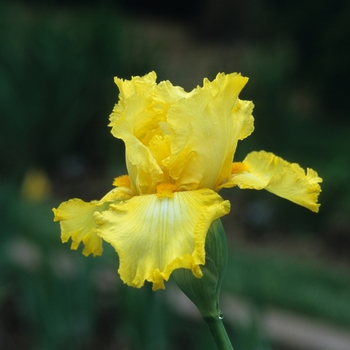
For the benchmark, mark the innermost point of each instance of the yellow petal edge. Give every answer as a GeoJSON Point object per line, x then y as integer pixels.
{"type": "Point", "coordinates": [77, 222]}
{"type": "Point", "coordinates": [264, 170]}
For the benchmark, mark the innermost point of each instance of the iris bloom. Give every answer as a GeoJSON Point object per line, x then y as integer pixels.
{"type": "Point", "coordinates": [179, 152]}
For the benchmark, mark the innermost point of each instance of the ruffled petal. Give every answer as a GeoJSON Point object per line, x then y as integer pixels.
{"type": "Point", "coordinates": [205, 128]}
{"type": "Point", "coordinates": [155, 235]}
{"type": "Point", "coordinates": [129, 88]}
{"type": "Point", "coordinates": [149, 115]}
{"type": "Point", "coordinates": [263, 170]}
{"type": "Point", "coordinates": [131, 120]}
{"type": "Point", "coordinates": [77, 222]}
{"type": "Point", "coordinates": [139, 118]}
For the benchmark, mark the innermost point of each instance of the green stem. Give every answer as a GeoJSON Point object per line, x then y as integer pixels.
{"type": "Point", "coordinates": [218, 332]}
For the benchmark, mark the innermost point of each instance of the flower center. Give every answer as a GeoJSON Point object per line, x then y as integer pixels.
{"type": "Point", "coordinates": [122, 181]}
{"type": "Point", "coordinates": [238, 167]}
{"type": "Point", "coordinates": [165, 190]}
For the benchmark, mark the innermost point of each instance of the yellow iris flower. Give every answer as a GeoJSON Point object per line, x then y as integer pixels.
{"type": "Point", "coordinates": [179, 152]}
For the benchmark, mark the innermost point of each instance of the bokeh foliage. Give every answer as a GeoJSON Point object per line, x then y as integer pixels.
{"type": "Point", "coordinates": [56, 81]}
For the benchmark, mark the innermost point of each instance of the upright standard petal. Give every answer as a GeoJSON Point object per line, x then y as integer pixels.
{"type": "Point", "coordinates": [138, 119]}
{"type": "Point", "coordinates": [154, 235]}
{"type": "Point", "coordinates": [205, 128]}
{"type": "Point", "coordinates": [263, 170]}
{"type": "Point", "coordinates": [132, 120]}
{"type": "Point", "coordinates": [77, 222]}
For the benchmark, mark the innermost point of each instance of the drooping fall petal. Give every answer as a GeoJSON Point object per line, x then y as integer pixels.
{"type": "Point", "coordinates": [263, 170]}
{"type": "Point", "coordinates": [77, 223]}
{"type": "Point", "coordinates": [154, 235]}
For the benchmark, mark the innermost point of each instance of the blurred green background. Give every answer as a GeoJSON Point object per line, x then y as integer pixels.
{"type": "Point", "coordinates": [57, 63]}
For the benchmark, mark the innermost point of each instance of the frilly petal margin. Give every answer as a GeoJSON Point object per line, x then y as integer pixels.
{"type": "Point", "coordinates": [264, 170]}
{"type": "Point", "coordinates": [138, 116]}
{"type": "Point", "coordinates": [131, 120]}
{"type": "Point", "coordinates": [77, 222]}
{"type": "Point", "coordinates": [154, 236]}
{"type": "Point", "coordinates": [205, 129]}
